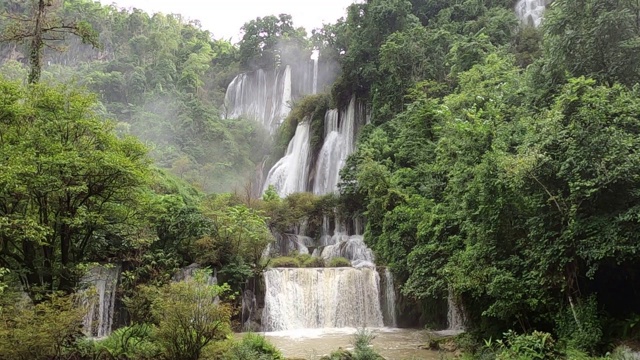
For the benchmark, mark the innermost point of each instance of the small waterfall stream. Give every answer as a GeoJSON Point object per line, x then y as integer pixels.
{"type": "Point", "coordinates": [99, 298]}
{"type": "Point", "coordinates": [530, 12]}
{"type": "Point", "coordinates": [388, 300]}
{"type": "Point", "coordinates": [455, 318]}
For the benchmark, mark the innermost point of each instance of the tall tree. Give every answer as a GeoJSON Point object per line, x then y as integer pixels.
{"type": "Point", "coordinates": [68, 186]}
{"type": "Point", "coordinates": [43, 27]}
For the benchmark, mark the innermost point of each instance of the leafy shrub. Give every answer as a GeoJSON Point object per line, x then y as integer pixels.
{"type": "Point", "coordinates": [42, 331]}
{"type": "Point", "coordinates": [339, 262]}
{"type": "Point", "coordinates": [586, 336]}
{"type": "Point", "coordinates": [284, 262]}
{"type": "Point", "coordinates": [313, 262]}
{"type": "Point", "coordinates": [189, 318]}
{"type": "Point", "coordinates": [537, 345]}
{"type": "Point", "coordinates": [254, 346]}
{"type": "Point", "coordinates": [132, 342]}
{"type": "Point", "coordinates": [362, 346]}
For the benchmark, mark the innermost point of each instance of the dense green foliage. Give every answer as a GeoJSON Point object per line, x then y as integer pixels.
{"type": "Point", "coordinates": [164, 80]}
{"type": "Point", "coordinates": [501, 165]}
{"type": "Point", "coordinates": [513, 187]}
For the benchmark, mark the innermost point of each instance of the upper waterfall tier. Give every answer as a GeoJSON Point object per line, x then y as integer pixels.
{"type": "Point", "coordinates": [290, 173]}
{"type": "Point", "coordinates": [264, 96]}
{"type": "Point", "coordinates": [530, 12]}
{"type": "Point", "coordinates": [321, 298]}
{"type": "Point", "coordinates": [339, 142]}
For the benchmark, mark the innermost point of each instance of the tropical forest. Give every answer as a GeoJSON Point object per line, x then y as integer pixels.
{"type": "Point", "coordinates": [417, 179]}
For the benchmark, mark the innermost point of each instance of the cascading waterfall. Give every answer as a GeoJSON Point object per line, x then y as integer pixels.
{"type": "Point", "coordinates": [290, 174]}
{"type": "Point", "coordinates": [352, 248]}
{"type": "Point", "coordinates": [339, 143]}
{"type": "Point", "coordinates": [264, 96]}
{"type": "Point", "coordinates": [99, 299]}
{"type": "Point", "coordinates": [321, 298]}
{"type": "Point", "coordinates": [530, 12]}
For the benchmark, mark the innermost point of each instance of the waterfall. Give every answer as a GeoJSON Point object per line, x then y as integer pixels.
{"type": "Point", "coordinates": [454, 314]}
{"type": "Point", "coordinates": [264, 96]}
{"type": "Point", "coordinates": [100, 304]}
{"type": "Point", "coordinates": [388, 299]}
{"type": "Point", "coordinates": [321, 298]}
{"type": "Point", "coordinates": [352, 248]}
{"type": "Point", "coordinates": [530, 12]}
{"type": "Point", "coordinates": [290, 174]}
{"type": "Point", "coordinates": [339, 143]}
{"type": "Point", "coordinates": [314, 57]}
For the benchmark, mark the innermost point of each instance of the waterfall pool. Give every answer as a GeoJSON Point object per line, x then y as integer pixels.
{"type": "Point", "coordinates": [392, 343]}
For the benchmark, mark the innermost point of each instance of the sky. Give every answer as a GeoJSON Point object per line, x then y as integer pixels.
{"type": "Point", "coordinates": [224, 18]}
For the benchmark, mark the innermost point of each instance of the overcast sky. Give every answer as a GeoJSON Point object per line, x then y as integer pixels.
{"type": "Point", "coordinates": [224, 18]}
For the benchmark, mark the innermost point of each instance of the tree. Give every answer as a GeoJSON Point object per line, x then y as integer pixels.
{"type": "Point", "coordinates": [270, 40]}
{"type": "Point", "coordinates": [593, 38]}
{"type": "Point", "coordinates": [189, 317]}
{"type": "Point", "coordinates": [42, 28]}
{"type": "Point", "coordinates": [70, 190]}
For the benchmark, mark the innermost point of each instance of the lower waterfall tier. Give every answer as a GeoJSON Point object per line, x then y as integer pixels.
{"type": "Point", "coordinates": [321, 298]}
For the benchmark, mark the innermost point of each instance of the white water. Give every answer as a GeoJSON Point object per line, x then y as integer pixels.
{"type": "Point", "coordinates": [339, 142]}
{"type": "Point", "coordinates": [389, 299]}
{"type": "Point", "coordinates": [290, 174]}
{"type": "Point", "coordinates": [352, 248]}
{"type": "Point", "coordinates": [530, 12]}
{"type": "Point", "coordinates": [314, 57]}
{"type": "Point", "coordinates": [455, 314]}
{"type": "Point", "coordinates": [321, 298]}
{"type": "Point", "coordinates": [99, 300]}
{"type": "Point", "coordinates": [264, 96]}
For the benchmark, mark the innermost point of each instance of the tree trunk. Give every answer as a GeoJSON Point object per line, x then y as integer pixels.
{"type": "Point", "coordinates": [37, 43]}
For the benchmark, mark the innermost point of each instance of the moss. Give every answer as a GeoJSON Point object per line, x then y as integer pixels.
{"type": "Point", "coordinates": [284, 262]}
{"type": "Point", "coordinates": [313, 262]}
{"type": "Point", "coordinates": [339, 262]}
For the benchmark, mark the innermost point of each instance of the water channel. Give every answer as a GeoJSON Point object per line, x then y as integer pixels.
{"type": "Point", "coordinates": [391, 343]}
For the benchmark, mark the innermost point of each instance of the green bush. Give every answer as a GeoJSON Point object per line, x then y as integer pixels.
{"type": "Point", "coordinates": [537, 345]}
{"type": "Point", "coordinates": [313, 262]}
{"type": "Point", "coordinates": [339, 262]}
{"type": "Point", "coordinates": [585, 336]}
{"type": "Point", "coordinates": [284, 262]}
{"type": "Point", "coordinates": [47, 330]}
{"type": "Point", "coordinates": [254, 346]}
{"type": "Point", "coordinates": [132, 342]}
{"type": "Point", "coordinates": [188, 318]}
{"type": "Point", "coordinates": [362, 346]}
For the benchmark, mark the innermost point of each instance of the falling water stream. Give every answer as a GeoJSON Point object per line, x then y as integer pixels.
{"type": "Point", "coordinates": [530, 12]}
{"type": "Point", "coordinates": [99, 298]}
